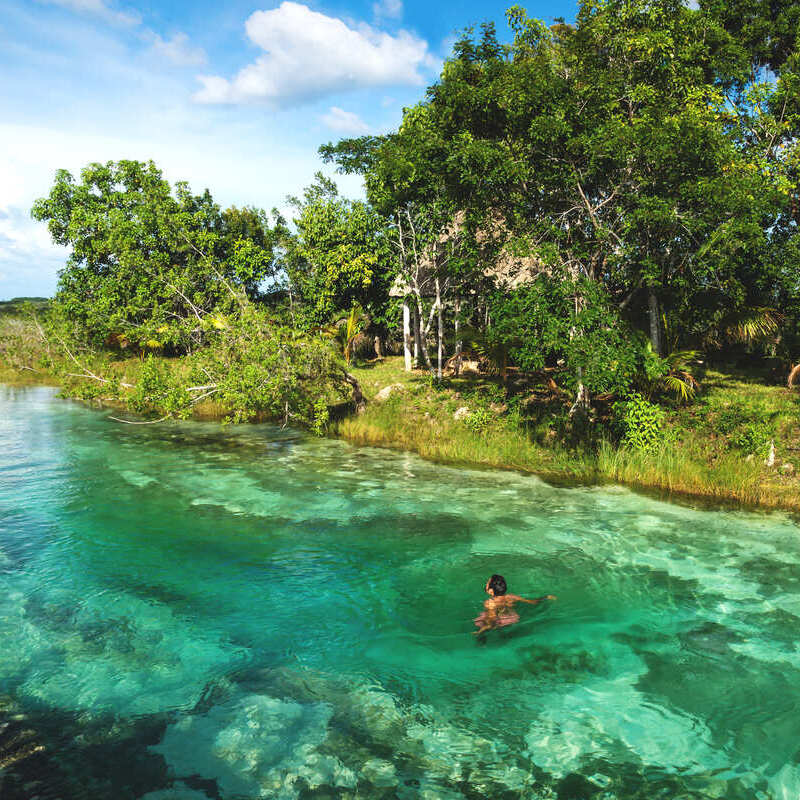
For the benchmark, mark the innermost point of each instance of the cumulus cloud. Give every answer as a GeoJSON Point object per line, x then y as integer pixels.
{"type": "Point", "coordinates": [391, 9]}
{"type": "Point", "coordinates": [309, 55]}
{"type": "Point", "coordinates": [29, 260]}
{"type": "Point", "coordinates": [99, 8]}
{"type": "Point", "coordinates": [337, 119]}
{"type": "Point", "coordinates": [178, 50]}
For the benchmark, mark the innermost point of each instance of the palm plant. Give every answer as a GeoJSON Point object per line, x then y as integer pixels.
{"type": "Point", "coordinates": [671, 373]}
{"type": "Point", "coordinates": [752, 324]}
{"type": "Point", "coordinates": [748, 325]}
{"type": "Point", "coordinates": [345, 330]}
{"type": "Point", "coordinates": [678, 379]}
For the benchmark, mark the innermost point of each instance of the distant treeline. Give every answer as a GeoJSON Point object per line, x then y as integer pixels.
{"type": "Point", "coordinates": [17, 305]}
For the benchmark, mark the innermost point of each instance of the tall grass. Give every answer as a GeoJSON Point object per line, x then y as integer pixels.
{"type": "Point", "coordinates": [690, 462]}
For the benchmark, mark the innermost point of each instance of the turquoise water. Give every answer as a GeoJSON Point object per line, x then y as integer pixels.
{"type": "Point", "coordinates": [191, 611]}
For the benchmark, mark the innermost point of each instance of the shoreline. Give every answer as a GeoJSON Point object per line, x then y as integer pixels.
{"type": "Point", "coordinates": [716, 500]}
{"type": "Point", "coordinates": [576, 473]}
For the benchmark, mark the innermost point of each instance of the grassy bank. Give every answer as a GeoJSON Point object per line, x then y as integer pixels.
{"type": "Point", "coordinates": [713, 449]}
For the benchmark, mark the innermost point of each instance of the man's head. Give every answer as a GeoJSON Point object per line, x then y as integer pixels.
{"type": "Point", "coordinates": [496, 586]}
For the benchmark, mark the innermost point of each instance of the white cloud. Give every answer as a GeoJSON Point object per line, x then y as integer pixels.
{"type": "Point", "coordinates": [29, 260]}
{"type": "Point", "coordinates": [99, 8]}
{"type": "Point", "coordinates": [309, 55]}
{"type": "Point", "coordinates": [178, 50]}
{"type": "Point", "coordinates": [391, 9]}
{"type": "Point", "coordinates": [337, 119]}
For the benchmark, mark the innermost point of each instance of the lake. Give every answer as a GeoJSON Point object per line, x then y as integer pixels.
{"type": "Point", "coordinates": [194, 611]}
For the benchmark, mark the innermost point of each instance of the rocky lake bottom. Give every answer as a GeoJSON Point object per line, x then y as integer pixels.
{"type": "Point", "coordinates": [193, 611]}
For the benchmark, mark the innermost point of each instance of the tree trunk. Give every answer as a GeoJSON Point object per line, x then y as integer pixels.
{"type": "Point", "coordinates": [421, 339]}
{"type": "Point", "coordinates": [440, 337]}
{"type": "Point", "coordinates": [359, 401]}
{"type": "Point", "coordinates": [378, 347]}
{"type": "Point", "coordinates": [416, 323]}
{"type": "Point", "coordinates": [580, 408]}
{"type": "Point", "coordinates": [656, 339]}
{"type": "Point", "coordinates": [457, 324]}
{"type": "Point", "coordinates": [407, 343]}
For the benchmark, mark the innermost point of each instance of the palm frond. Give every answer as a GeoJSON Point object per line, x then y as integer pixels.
{"type": "Point", "coordinates": [753, 324]}
{"type": "Point", "coordinates": [680, 359]}
{"type": "Point", "coordinates": [683, 385]}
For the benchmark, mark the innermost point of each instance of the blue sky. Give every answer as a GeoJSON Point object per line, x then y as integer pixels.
{"type": "Point", "coordinates": [233, 96]}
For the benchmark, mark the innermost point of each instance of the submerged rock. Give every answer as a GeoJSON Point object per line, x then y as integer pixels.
{"type": "Point", "coordinates": [179, 791]}
{"type": "Point", "coordinates": [380, 773]}
{"type": "Point", "coordinates": [256, 746]}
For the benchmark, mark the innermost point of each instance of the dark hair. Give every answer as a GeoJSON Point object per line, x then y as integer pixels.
{"type": "Point", "coordinates": [497, 583]}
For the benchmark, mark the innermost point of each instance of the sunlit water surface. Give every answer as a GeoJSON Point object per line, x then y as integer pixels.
{"type": "Point", "coordinates": [192, 611]}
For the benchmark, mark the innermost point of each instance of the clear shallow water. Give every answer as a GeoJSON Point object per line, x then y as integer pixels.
{"type": "Point", "coordinates": [189, 611]}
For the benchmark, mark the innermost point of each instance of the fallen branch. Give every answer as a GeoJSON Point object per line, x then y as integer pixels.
{"type": "Point", "coordinates": [143, 422]}
{"type": "Point", "coordinates": [91, 376]}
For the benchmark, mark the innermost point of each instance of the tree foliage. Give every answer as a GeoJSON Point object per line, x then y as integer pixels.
{"type": "Point", "coordinates": [148, 262]}
{"type": "Point", "coordinates": [552, 322]}
{"type": "Point", "coordinates": [340, 255]}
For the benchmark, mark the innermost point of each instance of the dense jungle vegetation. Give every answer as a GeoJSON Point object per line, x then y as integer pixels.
{"type": "Point", "coordinates": [583, 244]}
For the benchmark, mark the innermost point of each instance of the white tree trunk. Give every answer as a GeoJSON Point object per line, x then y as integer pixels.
{"type": "Point", "coordinates": [422, 335]}
{"type": "Point", "coordinates": [440, 337]}
{"type": "Point", "coordinates": [417, 337]}
{"type": "Point", "coordinates": [459, 346]}
{"type": "Point", "coordinates": [583, 401]}
{"type": "Point", "coordinates": [407, 343]}
{"type": "Point", "coordinates": [580, 408]}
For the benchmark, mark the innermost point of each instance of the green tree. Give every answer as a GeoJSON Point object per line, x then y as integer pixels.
{"type": "Point", "coordinates": [607, 144]}
{"type": "Point", "coordinates": [556, 321]}
{"type": "Point", "coordinates": [340, 255]}
{"type": "Point", "coordinates": [149, 262]}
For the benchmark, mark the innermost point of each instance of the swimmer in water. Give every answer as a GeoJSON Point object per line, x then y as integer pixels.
{"type": "Point", "coordinates": [500, 605]}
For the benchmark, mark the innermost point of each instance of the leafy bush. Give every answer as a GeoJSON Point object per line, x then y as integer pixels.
{"type": "Point", "coordinates": [639, 422]}
{"type": "Point", "coordinates": [479, 420]}
{"type": "Point", "coordinates": [754, 438]}
{"type": "Point", "coordinates": [558, 320]}
{"type": "Point", "coordinates": [319, 422]}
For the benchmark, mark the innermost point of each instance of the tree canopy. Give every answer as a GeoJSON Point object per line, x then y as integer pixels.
{"type": "Point", "coordinates": [148, 260]}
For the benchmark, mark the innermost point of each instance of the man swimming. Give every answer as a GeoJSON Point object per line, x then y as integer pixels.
{"type": "Point", "coordinates": [500, 605]}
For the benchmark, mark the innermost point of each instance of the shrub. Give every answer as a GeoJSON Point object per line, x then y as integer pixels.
{"type": "Point", "coordinates": [479, 420]}
{"type": "Point", "coordinates": [319, 422]}
{"type": "Point", "coordinates": [754, 438]}
{"type": "Point", "coordinates": [639, 422]}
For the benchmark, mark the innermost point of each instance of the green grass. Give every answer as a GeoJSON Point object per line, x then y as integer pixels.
{"type": "Point", "coordinates": [701, 456]}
